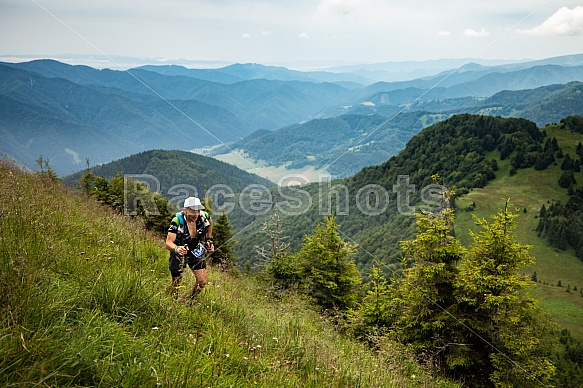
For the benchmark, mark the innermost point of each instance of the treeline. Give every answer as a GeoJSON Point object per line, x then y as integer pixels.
{"type": "Point", "coordinates": [561, 224]}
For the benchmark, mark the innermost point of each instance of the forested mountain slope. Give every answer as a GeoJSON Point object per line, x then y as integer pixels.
{"type": "Point", "coordinates": [177, 170]}
{"type": "Point", "coordinates": [458, 149]}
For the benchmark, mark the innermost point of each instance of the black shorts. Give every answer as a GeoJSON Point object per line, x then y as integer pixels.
{"type": "Point", "coordinates": [176, 264]}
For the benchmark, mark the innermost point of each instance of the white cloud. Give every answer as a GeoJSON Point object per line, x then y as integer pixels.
{"type": "Point", "coordinates": [444, 33]}
{"type": "Point", "coordinates": [265, 33]}
{"type": "Point", "coordinates": [341, 7]}
{"type": "Point", "coordinates": [303, 35]}
{"type": "Point", "coordinates": [563, 22]}
{"type": "Point", "coordinates": [246, 35]}
{"type": "Point", "coordinates": [76, 158]}
{"type": "Point", "coordinates": [473, 33]}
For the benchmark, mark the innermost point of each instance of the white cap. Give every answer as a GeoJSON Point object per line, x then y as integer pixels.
{"type": "Point", "coordinates": [193, 203]}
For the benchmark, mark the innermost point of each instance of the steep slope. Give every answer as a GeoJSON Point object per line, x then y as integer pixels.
{"type": "Point", "coordinates": [84, 302]}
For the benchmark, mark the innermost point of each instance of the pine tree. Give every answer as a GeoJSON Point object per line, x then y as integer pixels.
{"type": "Point", "coordinates": [88, 180]}
{"type": "Point", "coordinates": [331, 273]}
{"type": "Point", "coordinates": [376, 304]}
{"type": "Point", "coordinates": [423, 297]}
{"type": "Point", "coordinates": [281, 269]}
{"type": "Point", "coordinates": [46, 171]}
{"type": "Point", "coordinates": [506, 323]}
{"type": "Point", "coordinates": [223, 241]}
{"type": "Point", "coordinates": [567, 179]}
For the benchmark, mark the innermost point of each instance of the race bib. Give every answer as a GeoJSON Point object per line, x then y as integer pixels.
{"type": "Point", "coordinates": [199, 251]}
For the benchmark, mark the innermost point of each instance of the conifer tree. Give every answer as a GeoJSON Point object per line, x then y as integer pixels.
{"type": "Point", "coordinates": [376, 304]}
{"type": "Point", "coordinates": [87, 181]}
{"type": "Point", "coordinates": [46, 171]}
{"type": "Point", "coordinates": [223, 241]}
{"type": "Point", "coordinates": [330, 271]}
{"type": "Point", "coordinates": [281, 269]}
{"type": "Point", "coordinates": [424, 295]}
{"type": "Point", "coordinates": [505, 323]}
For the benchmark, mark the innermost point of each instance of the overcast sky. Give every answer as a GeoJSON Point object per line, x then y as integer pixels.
{"type": "Point", "coordinates": [292, 32]}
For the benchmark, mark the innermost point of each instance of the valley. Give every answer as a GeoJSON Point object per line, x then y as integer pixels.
{"type": "Point", "coordinates": [281, 175]}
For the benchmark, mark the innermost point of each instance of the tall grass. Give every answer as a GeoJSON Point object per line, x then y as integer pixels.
{"type": "Point", "coordinates": [84, 301]}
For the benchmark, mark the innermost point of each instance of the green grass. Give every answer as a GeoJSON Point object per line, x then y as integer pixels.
{"type": "Point", "coordinates": [84, 301]}
{"type": "Point", "coordinates": [531, 189]}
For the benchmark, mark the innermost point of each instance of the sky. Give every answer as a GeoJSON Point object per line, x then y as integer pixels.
{"type": "Point", "coordinates": [291, 33]}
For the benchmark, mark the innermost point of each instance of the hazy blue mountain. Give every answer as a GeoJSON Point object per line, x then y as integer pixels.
{"type": "Point", "coordinates": [249, 71]}
{"type": "Point", "coordinates": [67, 122]}
{"type": "Point", "coordinates": [412, 70]}
{"type": "Point", "coordinates": [213, 75]}
{"type": "Point", "coordinates": [289, 102]}
{"type": "Point", "coordinates": [369, 135]}
{"type": "Point", "coordinates": [70, 113]}
{"type": "Point", "coordinates": [477, 82]}
{"type": "Point", "coordinates": [343, 144]}
{"type": "Point", "coordinates": [544, 105]}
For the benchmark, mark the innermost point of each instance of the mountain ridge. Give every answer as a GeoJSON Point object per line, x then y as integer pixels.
{"type": "Point", "coordinates": [132, 111]}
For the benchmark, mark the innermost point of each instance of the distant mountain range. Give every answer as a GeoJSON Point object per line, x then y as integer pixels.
{"type": "Point", "coordinates": [72, 113]}
{"type": "Point", "coordinates": [371, 133]}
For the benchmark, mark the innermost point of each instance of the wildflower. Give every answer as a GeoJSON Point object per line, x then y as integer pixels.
{"type": "Point", "coordinates": [109, 258]}
{"type": "Point", "coordinates": [252, 349]}
{"type": "Point", "coordinates": [155, 328]}
{"type": "Point", "coordinates": [245, 358]}
{"type": "Point", "coordinates": [51, 247]}
{"type": "Point", "coordinates": [88, 246]}
{"type": "Point", "coordinates": [413, 376]}
{"type": "Point", "coordinates": [258, 346]}
{"type": "Point", "coordinates": [275, 339]}
{"type": "Point", "coordinates": [227, 355]}
{"type": "Point", "coordinates": [82, 252]}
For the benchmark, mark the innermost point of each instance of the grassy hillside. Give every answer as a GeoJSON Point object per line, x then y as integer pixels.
{"type": "Point", "coordinates": [530, 189]}
{"type": "Point", "coordinates": [84, 302]}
